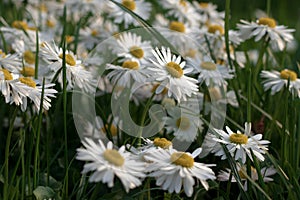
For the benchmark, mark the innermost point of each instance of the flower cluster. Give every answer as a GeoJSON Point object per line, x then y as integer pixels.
{"type": "Point", "coordinates": [185, 70]}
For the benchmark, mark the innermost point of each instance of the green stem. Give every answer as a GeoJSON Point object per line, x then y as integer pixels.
{"type": "Point", "coordinates": [36, 70]}
{"type": "Point", "coordinates": [268, 7]}
{"type": "Point", "coordinates": [65, 119]}
{"type": "Point", "coordinates": [23, 165]}
{"type": "Point", "coordinates": [249, 92]}
{"type": "Point", "coordinates": [9, 135]}
{"type": "Point", "coordinates": [227, 14]}
{"type": "Point", "coordinates": [144, 117]}
{"type": "Point", "coordinates": [265, 44]}
{"type": "Point", "coordinates": [37, 145]}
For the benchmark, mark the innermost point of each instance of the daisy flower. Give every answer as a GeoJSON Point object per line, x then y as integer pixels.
{"type": "Point", "coordinates": [209, 72]}
{"type": "Point", "coordinates": [9, 87]}
{"type": "Point", "coordinates": [181, 10]}
{"type": "Point", "coordinates": [239, 144]}
{"type": "Point", "coordinates": [275, 81]}
{"type": "Point", "coordinates": [130, 46]}
{"type": "Point", "coordinates": [139, 7]}
{"type": "Point", "coordinates": [17, 89]}
{"type": "Point", "coordinates": [208, 12]}
{"type": "Point", "coordinates": [35, 94]}
{"type": "Point", "coordinates": [10, 61]}
{"type": "Point", "coordinates": [128, 73]}
{"type": "Point", "coordinates": [266, 27]}
{"type": "Point", "coordinates": [76, 74]}
{"type": "Point", "coordinates": [173, 169]}
{"type": "Point", "coordinates": [168, 70]}
{"type": "Point", "coordinates": [98, 30]}
{"type": "Point", "coordinates": [184, 123]}
{"type": "Point", "coordinates": [105, 162]}
{"type": "Point", "coordinates": [266, 172]}
{"type": "Point", "coordinates": [179, 33]}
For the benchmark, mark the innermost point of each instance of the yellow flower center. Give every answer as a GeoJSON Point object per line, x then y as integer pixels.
{"type": "Point", "coordinates": [288, 74]}
{"type": "Point", "coordinates": [94, 33]}
{"type": "Point", "coordinates": [174, 69]}
{"type": "Point", "coordinates": [69, 59]}
{"type": "Point", "coordinates": [114, 157]}
{"type": "Point", "coordinates": [22, 25]}
{"type": "Point", "coordinates": [130, 4]}
{"type": "Point", "coordinates": [112, 129]}
{"type": "Point", "coordinates": [191, 53]}
{"type": "Point", "coordinates": [69, 38]}
{"type": "Point", "coordinates": [7, 74]}
{"type": "Point", "coordinates": [27, 71]}
{"type": "Point", "coordinates": [50, 23]}
{"type": "Point", "coordinates": [43, 8]}
{"type": "Point", "coordinates": [2, 54]}
{"type": "Point", "coordinates": [183, 123]}
{"type": "Point", "coordinates": [177, 26]}
{"type": "Point", "coordinates": [267, 21]}
{"type": "Point", "coordinates": [29, 57]}
{"type": "Point", "coordinates": [183, 3]}
{"type": "Point", "coordinates": [208, 66]}
{"type": "Point", "coordinates": [131, 65]}
{"type": "Point", "coordinates": [162, 142]}
{"type": "Point", "coordinates": [182, 159]}
{"type": "Point", "coordinates": [136, 52]}
{"type": "Point", "coordinates": [238, 138]}
{"type": "Point", "coordinates": [216, 28]}
{"type": "Point", "coordinates": [203, 4]}
{"type": "Point", "coordinates": [28, 81]}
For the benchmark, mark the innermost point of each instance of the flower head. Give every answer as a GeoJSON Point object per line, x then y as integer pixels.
{"type": "Point", "coordinates": [169, 71]}
{"type": "Point", "coordinates": [173, 169]}
{"type": "Point", "coordinates": [240, 144]}
{"type": "Point", "coordinates": [266, 27]}
{"type": "Point", "coordinates": [275, 81]}
{"type": "Point", "coordinates": [105, 162]}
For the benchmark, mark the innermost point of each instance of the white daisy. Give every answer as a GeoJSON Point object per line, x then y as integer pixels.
{"type": "Point", "coordinates": [239, 144]}
{"type": "Point", "coordinates": [172, 169]}
{"type": "Point", "coordinates": [97, 31]}
{"type": "Point", "coordinates": [208, 12]}
{"type": "Point", "coordinates": [9, 86]}
{"type": "Point", "coordinates": [106, 162]}
{"type": "Point", "coordinates": [139, 7]}
{"type": "Point", "coordinates": [10, 61]}
{"type": "Point", "coordinates": [184, 124]}
{"type": "Point", "coordinates": [168, 70]}
{"type": "Point", "coordinates": [266, 27]}
{"type": "Point", "coordinates": [209, 72]}
{"type": "Point", "coordinates": [179, 33]}
{"type": "Point", "coordinates": [76, 74]}
{"type": "Point", "coordinates": [266, 172]}
{"type": "Point", "coordinates": [182, 10]}
{"type": "Point", "coordinates": [82, 7]}
{"type": "Point", "coordinates": [35, 94]}
{"type": "Point", "coordinates": [129, 73]}
{"type": "Point", "coordinates": [130, 46]}
{"type": "Point", "coordinates": [275, 81]}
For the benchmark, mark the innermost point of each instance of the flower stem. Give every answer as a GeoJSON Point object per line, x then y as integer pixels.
{"type": "Point", "coordinates": [9, 135]}
{"type": "Point", "coordinates": [227, 14]}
